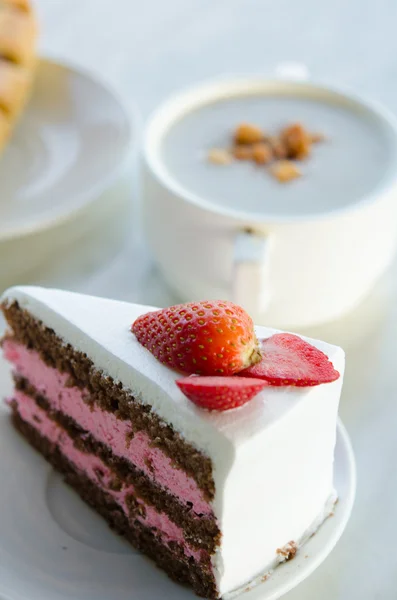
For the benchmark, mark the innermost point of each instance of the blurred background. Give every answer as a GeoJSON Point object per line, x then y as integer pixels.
{"type": "Point", "coordinates": [147, 50]}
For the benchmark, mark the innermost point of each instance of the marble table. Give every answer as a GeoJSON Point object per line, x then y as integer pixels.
{"type": "Point", "coordinates": [148, 49]}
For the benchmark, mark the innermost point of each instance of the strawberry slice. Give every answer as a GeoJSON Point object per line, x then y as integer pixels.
{"type": "Point", "coordinates": [220, 393]}
{"type": "Point", "coordinates": [205, 338]}
{"type": "Point", "coordinates": [289, 360]}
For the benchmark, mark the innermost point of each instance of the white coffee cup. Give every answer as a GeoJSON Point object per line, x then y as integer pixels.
{"type": "Point", "coordinates": [287, 270]}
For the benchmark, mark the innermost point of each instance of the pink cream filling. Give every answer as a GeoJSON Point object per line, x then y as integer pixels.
{"type": "Point", "coordinates": [98, 472]}
{"type": "Point", "coordinates": [105, 427]}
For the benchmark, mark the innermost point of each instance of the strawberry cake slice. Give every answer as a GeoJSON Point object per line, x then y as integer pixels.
{"type": "Point", "coordinates": [206, 442]}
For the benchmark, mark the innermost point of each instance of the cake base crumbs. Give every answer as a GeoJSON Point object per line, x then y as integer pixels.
{"type": "Point", "coordinates": [288, 552]}
{"type": "Point", "coordinates": [265, 578]}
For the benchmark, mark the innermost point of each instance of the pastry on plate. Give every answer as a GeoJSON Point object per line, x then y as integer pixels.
{"type": "Point", "coordinates": [18, 33]}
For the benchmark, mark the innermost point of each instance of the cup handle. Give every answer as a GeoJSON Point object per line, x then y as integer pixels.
{"type": "Point", "coordinates": [250, 287]}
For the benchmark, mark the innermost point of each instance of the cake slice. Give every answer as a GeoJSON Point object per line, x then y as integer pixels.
{"type": "Point", "coordinates": [217, 499]}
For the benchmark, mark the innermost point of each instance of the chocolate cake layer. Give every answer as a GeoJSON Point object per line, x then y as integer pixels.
{"type": "Point", "coordinates": [200, 532]}
{"type": "Point", "coordinates": [109, 395]}
{"type": "Point", "coordinates": [170, 558]}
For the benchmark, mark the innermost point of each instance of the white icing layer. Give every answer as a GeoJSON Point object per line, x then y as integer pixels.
{"type": "Point", "coordinates": [272, 458]}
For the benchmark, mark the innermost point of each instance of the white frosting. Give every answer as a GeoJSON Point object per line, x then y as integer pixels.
{"type": "Point", "coordinates": [272, 459]}
{"type": "Point", "coordinates": [327, 510]}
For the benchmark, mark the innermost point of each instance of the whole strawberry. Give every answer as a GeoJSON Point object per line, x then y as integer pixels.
{"type": "Point", "coordinates": [206, 338]}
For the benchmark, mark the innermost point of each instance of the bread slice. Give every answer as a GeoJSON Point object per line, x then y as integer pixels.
{"type": "Point", "coordinates": [23, 5]}
{"type": "Point", "coordinates": [15, 83]}
{"type": "Point", "coordinates": [5, 129]}
{"type": "Point", "coordinates": [18, 35]}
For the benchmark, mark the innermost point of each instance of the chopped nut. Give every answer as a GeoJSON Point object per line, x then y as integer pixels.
{"type": "Point", "coordinates": [262, 153]}
{"type": "Point", "coordinates": [316, 138]}
{"type": "Point", "coordinates": [297, 141]}
{"type": "Point", "coordinates": [285, 170]}
{"type": "Point", "coordinates": [242, 152]}
{"type": "Point", "coordinates": [248, 134]}
{"type": "Point", "coordinates": [252, 144]}
{"type": "Point", "coordinates": [219, 156]}
{"type": "Point", "coordinates": [278, 147]}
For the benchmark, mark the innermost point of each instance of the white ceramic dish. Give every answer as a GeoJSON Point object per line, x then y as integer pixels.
{"type": "Point", "coordinates": [53, 547]}
{"type": "Point", "coordinates": [289, 268]}
{"type": "Point", "coordinates": [69, 147]}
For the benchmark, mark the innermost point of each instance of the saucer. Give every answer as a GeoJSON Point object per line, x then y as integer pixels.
{"type": "Point", "coordinates": [68, 148]}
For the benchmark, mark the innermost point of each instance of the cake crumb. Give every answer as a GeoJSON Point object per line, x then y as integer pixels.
{"type": "Point", "coordinates": [285, 171]}
{"type": "Point", "coordinates": [99, 473]}
{"type": "Point", "coordinates": [246, 133]}
{"type": "Point", "coordinates": [220, 156]}
{"type": "Point", "coordinates": [265, 578]}
{"type": "Point", "coordinates": [69, 382]}
{"type": "Point", "coordinates": [135, 507]}
{"type": "Point", "coordinates": [262, 153]}
{"type": "Point", "coordinates": [306, 556]}
{"type": "Point", "coordinates": [115, 484]}
{"type": "Point", "coordinates": [149, 463]}
{"type": "Point", "coordinates": [288, 552]}
{"type": "Point", "coordinates": [128, 438]}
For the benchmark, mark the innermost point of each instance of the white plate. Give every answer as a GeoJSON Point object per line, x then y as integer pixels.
{"type": "Point", "coordinates": [69, 146]}
{"type": "Point", "coordinates": [53, 547]}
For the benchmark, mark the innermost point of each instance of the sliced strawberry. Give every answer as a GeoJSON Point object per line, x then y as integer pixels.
{"type": "Point", "coordinates": [289, 360]}
{"type": "Point", "coordinates": [205, 338]}
{"type": "Point", "coordinates": [220, 393]}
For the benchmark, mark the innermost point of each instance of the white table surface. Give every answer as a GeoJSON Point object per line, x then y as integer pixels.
{"type": "Point", "coordinates": [148, 49]}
